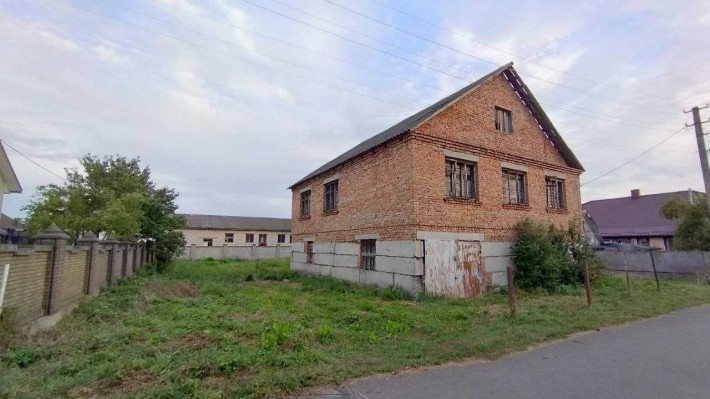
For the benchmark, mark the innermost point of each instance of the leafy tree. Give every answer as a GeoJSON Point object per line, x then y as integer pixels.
{"type": "Point", "coordinates": [693, 231]}
{"type": "Point", "coordinates": [111, 195]}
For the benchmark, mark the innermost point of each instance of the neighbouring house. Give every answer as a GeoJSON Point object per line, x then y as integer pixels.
{"type": "Point", "coordinates": [431, 203]}
{"type": "Point", "coordinates": [11, 231]}
{"type": "Point", "coordinates": [591, 230]}
{"type": "Point", "coordinates": [8, 183]}
{"type": "Point", "coordinates": [636, 219]}
{"type": "Point", "coordinates": [218, 230]}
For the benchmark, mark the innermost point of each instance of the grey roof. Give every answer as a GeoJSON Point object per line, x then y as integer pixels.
{"type": "Point", "coordinates": [238, 223]}
{"type": "Point", "coordinates": [7, 222]}
{"type": "Point", "coordinates": [422, 116]}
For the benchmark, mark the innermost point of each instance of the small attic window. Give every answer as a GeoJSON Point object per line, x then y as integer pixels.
{"type": "Point", "coordinates": [504, 120]}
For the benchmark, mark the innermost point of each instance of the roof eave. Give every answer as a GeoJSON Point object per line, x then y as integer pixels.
{"type": "Point", "coordinates": [12, 183]}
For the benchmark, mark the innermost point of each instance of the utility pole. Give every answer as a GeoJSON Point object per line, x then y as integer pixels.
{"type": "Point", "coordinates": [702, 151]}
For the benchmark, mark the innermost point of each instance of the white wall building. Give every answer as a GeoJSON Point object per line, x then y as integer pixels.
{"type": "Point", "coordinates": [234, 231]}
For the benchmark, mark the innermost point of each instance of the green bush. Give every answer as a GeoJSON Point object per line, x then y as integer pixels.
{"type": "Point", "coordinates": [549, 258]}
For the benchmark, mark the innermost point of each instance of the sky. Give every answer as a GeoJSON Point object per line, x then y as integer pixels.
{"type": "Point", "coordinates": [232, 101]}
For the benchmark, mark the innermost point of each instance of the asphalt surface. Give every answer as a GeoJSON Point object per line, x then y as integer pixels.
{"type": "Point", "coordinates": [665, 357]}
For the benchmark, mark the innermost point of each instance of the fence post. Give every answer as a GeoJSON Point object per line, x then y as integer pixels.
{"type": "Point", "coordinates": [655, 273]}
{"type": "Point", "coordinates": [58, 240]}
{"type": "Point", "coordinates": [193, 251]}
{"type": "Point", "coordinates": [587, 287]}
{"type": "Point", "coordinates": [136, 250]}
{"type": "Point", "coordinates": [626, 268]}
{"type": "Point", "coordinates": [224, 251]}
{"type": "Point", "coordinates": [511, 291]}
{"type": "Point", "coordinates": [113, 263]}
{"type": "Point", "coordinates": [92, 285]}
{"type": "Point", "coordinates": [126, 259]}
{"type": "Point", "coordinates": [253, 252]}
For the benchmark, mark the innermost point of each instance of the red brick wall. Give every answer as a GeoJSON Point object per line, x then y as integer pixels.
{"type": "Point", "coordinates": [400, 189]}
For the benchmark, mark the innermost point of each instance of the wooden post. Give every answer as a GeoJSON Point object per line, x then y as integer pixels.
{"type": "Point", "coordinates": [655, 273]}
{"type": "Point", "coordinates": [511, 291]}
{"type": "Point", "coordinates": [626, 267]}
{"type": "Point", "coordinates": [587, 287]}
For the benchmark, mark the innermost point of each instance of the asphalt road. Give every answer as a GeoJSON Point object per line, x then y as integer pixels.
{"type": "Point", "coordinates": [665, 357]}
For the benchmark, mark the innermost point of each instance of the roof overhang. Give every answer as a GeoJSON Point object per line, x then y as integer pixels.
{"type": "Point", "coordinates": [12, 184]}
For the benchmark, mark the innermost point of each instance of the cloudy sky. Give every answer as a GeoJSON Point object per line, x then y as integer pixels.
{"type": "Point", "coordinates": [231, 101]}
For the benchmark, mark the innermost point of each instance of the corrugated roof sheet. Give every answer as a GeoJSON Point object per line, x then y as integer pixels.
{"type": "Point", "coordinates": [629, 217]}
{"type": "Point", "coordinates": [415, 120]}
{"type": "Point", "coordinates": [241, 223]}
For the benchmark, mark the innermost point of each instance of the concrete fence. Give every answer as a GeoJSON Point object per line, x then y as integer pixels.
{"type": "Point", "coordinates": [47, 280]}
{"type": "Point", "coordinates": [668, 263]}
{"type": "Point", "coordinates": [252, 252]}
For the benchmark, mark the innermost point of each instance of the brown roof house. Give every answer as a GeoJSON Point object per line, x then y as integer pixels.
{"type": "Point", "coordinates": [636, 219]}
{"type": "Point", "coordinates": [430, 204]}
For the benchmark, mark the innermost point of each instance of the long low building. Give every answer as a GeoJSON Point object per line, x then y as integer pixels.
{"type": "Point", "coordinates": [218, 230]}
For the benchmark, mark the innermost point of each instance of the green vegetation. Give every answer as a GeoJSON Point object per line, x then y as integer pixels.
{"type": "Point", "coordinates": [693, 231]}
{"type": "Point", "coordinates": [111, 195]}
{"type": "Point", "coordinates": [552, 259]}
{"type": "Point", "coordinates": [253, 329]}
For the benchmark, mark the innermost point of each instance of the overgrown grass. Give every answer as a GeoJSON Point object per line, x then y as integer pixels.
{"type": "Point", "coordinates": [253, 329]}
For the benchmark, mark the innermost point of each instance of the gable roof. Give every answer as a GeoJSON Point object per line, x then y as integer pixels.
{"type": "Point", "coordinates": [12, 184]}
{"type": "Point", "coordinates": [633, 217]}
{"type": "Point", "coordinates": [429, 112]}
{"type": "Point", "coordinates": [7, 222]}
{"type": "Point", "coordinates": [237, 223]}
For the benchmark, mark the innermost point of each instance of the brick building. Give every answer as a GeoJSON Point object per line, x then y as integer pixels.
{"type": "Point", "coordinates": [430, 204]}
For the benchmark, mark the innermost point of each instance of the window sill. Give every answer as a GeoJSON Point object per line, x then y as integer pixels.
{"type": "Point", "coordinates": [463, 201]}
{"type": "Point", "coordinates": [305, 217]}
{"type": "Point", "coordinates": [517, 207]}
{"type": "Point", "coordinates": [554, 210]}
{"type": "Point", "coordinates": [330, 213]}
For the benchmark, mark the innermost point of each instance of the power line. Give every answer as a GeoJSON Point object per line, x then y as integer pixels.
{"type": "Point", "coordinates": [603, 119]}
{"type": "Point", "coordinates": [231, 43]}
{"type": "Point", "coordinates": [383, 4]}
{"type": "Point", "coordinates": [230, 56]}
{"type": "Point", "coordinates": [423, 38]}
{"type": "Point", "coordinates": [634, 158]}
{"type": "Point", "coordinates": [32, 160]}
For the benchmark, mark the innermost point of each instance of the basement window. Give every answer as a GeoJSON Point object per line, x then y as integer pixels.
{"type": "Point", "coordinates": [460, 179]}
{"type": "Point", "coordinates": [228, 237]}
{"type": "Point", "coordinates": [515, 187]}
{"type": "Point", "coordinates": [309, 251]}
{"type": "Point", "coordinates": [368, 249]}
{"type": "Point", "coordinates": [555, 188]}
{"type": "Point", "coordinates": [504, 120]}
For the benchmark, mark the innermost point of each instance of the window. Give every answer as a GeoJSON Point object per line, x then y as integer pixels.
{"type": "Point", "coordinates": [367, 254]}
{"type": "Point", "coordinates": [281, 238]}
{"type": "Point", "coordinates": [515, 187]}
{"type": "Point", "coordinates": [207, 241]}
{"type": "Point", "coordinates": [644, 241]}
{"type": "Point", "coordinates": [249, 238]}
{"type": "Point", "coordinates": [331, 196]}
{"type": "Point", "coordinates": [669, 243]}
{"type": "Point", "coordinates": [504, 120]}
{"type": "Point", "coordinates": [460, 179]}
{"type": "Point", "coordinates": [555, 193]}
{"type": "Point", "coordinates": [228, 237]}
{"type": "Point", "coordinates": [306, 203]}
{"type": "Point", "coordinates": [309, 251]}
{"type": "Point", "coordinates": [262, 240]}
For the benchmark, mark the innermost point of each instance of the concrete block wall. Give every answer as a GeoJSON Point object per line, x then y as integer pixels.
{"type": "Point", "coordinates": [667, 262]}
{"type": "Point", "coordinates": [253, 252]}
{"type": "Point", "coordinates": [496, 259]}
{"type": "Point", "coordinates": [397, 263]}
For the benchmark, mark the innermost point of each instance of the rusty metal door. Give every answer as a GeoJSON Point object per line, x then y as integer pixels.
{"type": "Point", "coordinates": [454, 268]}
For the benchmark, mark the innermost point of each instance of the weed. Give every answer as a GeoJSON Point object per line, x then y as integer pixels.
{"type": "Point", "coordinates": [324, 333]}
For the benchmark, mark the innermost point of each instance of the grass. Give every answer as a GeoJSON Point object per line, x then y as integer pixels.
{"type": "Point", "coordinates": [214, 329]}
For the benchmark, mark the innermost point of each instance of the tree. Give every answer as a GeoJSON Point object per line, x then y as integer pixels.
{"type": "Point", "coordinates": [693, 231]}
{"type": "Point", "coordinates": [110, 195]}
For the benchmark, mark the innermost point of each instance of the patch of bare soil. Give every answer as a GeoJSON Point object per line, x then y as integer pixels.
{"type": "Point", "coordinates": [133, 381]}
{"type": "Point", "coordinates": [174, 290]}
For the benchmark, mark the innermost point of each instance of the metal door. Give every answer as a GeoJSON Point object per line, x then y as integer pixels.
{"type": "Point", "coordinates": [454, 268]}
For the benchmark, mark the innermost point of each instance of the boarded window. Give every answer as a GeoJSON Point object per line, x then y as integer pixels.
{"type": "Point", "coordinates": [249, 238]}
{"type": "Point", "coordinates": [306, 203]}
{"type": "Point", "coordinates": [504, 120]}
{"type": "Point", "coordinates": [555, 193]}
{"type": "Point", "coordinates": [207, 241]}
{"type": "Point", "coordinates": [461, 179]}
{"type": "Point", "coordinates": [262, 240]}
{"type": "Point", "coordinates": [368, 248]}
{"type": "Point", "coordinates": [515, 190]}
{"type": "Point", "coordinates": [228, 237]}
{"type": "Point", "coordinates": [331, 196]}
{"type": "Point", "coordinates": [309, 251]}
{"type": "Point", "coordinates": [281, 238]}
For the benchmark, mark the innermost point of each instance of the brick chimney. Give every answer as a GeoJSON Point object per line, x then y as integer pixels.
{"type": "Point", "coordinates": [635, 193]}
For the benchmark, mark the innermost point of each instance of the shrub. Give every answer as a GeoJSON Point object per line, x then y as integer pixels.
{"type": "Point", "coordinates": [547, 257]}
